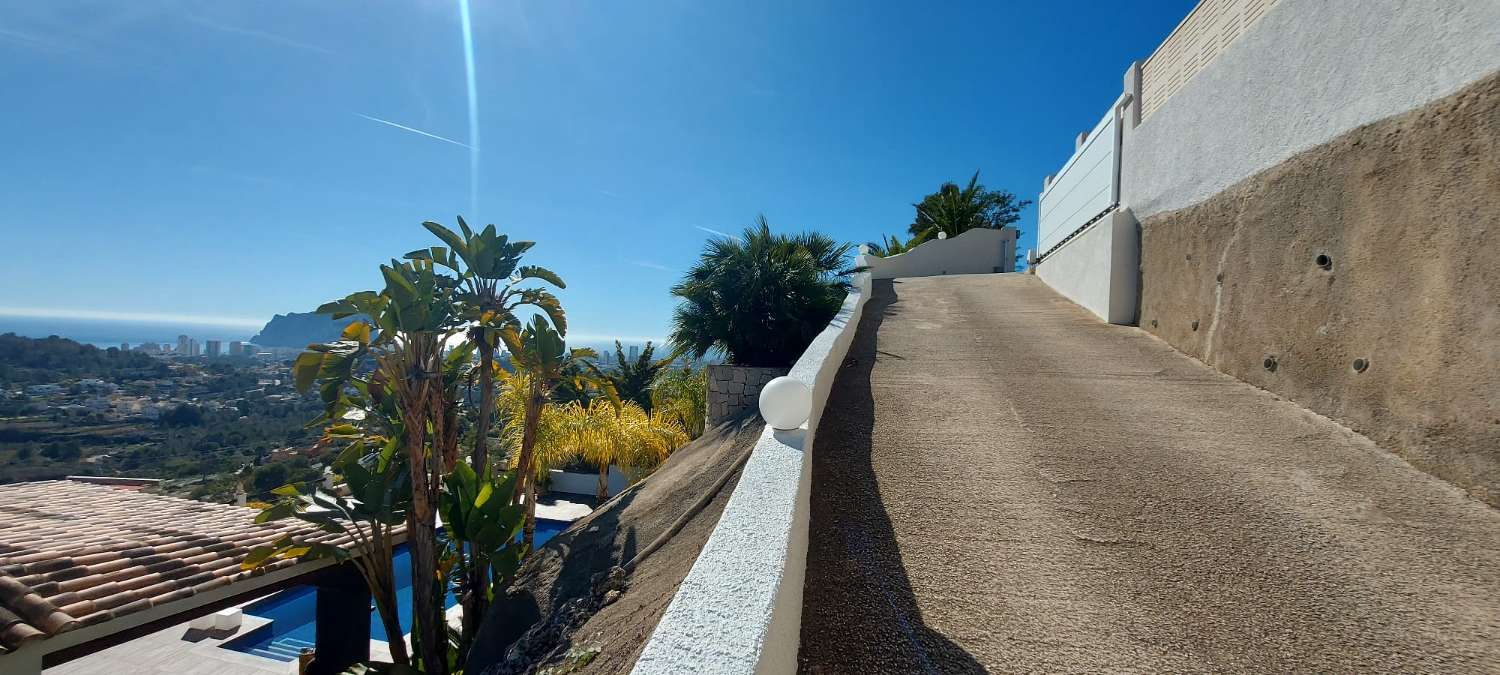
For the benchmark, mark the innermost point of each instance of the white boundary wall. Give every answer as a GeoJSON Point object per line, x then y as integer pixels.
{"type": "Point", "coordinates": [1100, 268]}
{"type": "Point", "coordinates": [586, 483]}
{"type": "Point", "coordinates": [1307, 72]}
{"type": "Point", "coordinates": [1087, 184]}
{"type": "Point", "coordinates": [740, 608]}
{"type": "Point", "coordinates": [976, 251]}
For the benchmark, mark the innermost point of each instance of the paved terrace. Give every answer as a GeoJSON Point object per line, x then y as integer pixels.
{"type": "Point", "coordinates": [1003, 482]}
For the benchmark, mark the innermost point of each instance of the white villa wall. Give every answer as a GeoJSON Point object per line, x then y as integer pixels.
{"type": "Point", "coordinates": [1100, 268]}
{"type": "Point", "coordinates": [977, 251]}
{"type": "Point", "coordinates": [1087, 185]}
{"type": "Point", "coordinates": [740, 608]}
{"type": "Point", "coordinates": [1308, 71]}
{"type": "Point", "coordinates": [586, 483]}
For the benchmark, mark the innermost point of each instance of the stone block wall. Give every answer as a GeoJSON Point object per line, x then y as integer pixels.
{"type": "Point", "coordinates": [735, 389]}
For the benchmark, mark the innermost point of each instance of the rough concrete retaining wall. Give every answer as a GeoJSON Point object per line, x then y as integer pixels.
{"type": "Point", "coordinates": [735, 389]}
{"type": "Point", "coordinates": [1407, 213]}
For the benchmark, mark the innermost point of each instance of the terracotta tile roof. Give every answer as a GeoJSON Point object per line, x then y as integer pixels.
{"type": "Point", "coordinates": [74, 554]}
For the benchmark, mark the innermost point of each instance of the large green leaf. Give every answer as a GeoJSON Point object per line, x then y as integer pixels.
{"type": "Point", "coordinates": [536, 272]}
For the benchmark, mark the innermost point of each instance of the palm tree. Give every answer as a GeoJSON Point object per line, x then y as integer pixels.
{"type": "Point", "coordinates": [761, 298]}
{"type": "Point", "coordinates": [954, 210]}
{"type": "Point", "coordinates": [682, 393]}
{"type": "Point", "coordinates": [888, 246]}
{"type": "Point", "coordinates": [628, 436]}
{"type": "Point", "coordinates": [633, 379]}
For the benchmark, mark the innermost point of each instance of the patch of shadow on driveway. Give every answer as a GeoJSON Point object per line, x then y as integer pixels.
{"type": "Point", "coordinates": [859, 613]}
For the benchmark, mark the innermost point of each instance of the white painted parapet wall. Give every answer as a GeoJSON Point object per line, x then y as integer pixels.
{"type": "Point", "coordinates": [976, 251]}
{"type": "Point", "coordinates": [740, 608]}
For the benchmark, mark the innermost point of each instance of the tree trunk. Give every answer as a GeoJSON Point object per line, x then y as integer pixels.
{"type": "Point", "coordinates": [481, 457]}
{"type": "Point", "coordinates": [385, 605]}
{"type": "Point", "coordinates": [530, 530]}
{"type": "Point", "coordinates": [476, 600]}
{"type": "Point", "coordinates": [428, 628]}
{"type": "Point", "coordinates": [524, 478]}
{"type": "Point", "coordinates": [603, 481]}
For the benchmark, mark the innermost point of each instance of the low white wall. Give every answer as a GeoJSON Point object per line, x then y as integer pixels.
{"type": "Point", "coordinates": [1309, 71]}
{"type": "Point", "coordinates": [586, 483]}
{"type": "Point", "coordinates": [1100, 268]}
{"type": "Point", "coordinates": [740, 608]}
{"type": "Point", "coordinates": [977, 251]}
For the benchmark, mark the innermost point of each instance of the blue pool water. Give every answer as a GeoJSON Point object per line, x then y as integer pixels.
{"type": "Point", "coordinates": [293, 612]}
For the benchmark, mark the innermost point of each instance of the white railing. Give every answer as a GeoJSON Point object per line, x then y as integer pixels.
{"type": "Point", "coordinates": [740, 608]}
{"type": "Point", "coordinates": [1087, 186]}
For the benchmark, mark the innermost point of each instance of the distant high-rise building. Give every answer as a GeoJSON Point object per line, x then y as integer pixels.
{"type": "Point", "coordinates": [635, 352]}
{"type": "Point", "coordinates": [193, 348]}
{"type": "Point", "coordinates": [124, 346]}
{"type": "Point", "coordinates": [212, 348]}
{"type": "Point", "coordinates": [183, 346]}
{"type": "Point", "coordinates": [236, 348]}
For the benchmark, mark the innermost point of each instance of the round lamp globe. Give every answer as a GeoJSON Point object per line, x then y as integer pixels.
{"type": "Point", "coordinates": [785, 403]}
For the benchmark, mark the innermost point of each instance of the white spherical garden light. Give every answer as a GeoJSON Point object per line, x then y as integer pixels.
{"type": "Point", "coordinates": [785, 403]}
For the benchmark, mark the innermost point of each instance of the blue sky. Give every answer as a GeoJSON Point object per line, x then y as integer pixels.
{"type": "Point", "coordinates": [239, 159]}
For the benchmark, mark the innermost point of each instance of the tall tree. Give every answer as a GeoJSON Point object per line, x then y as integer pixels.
{"type": "Point", "coordinates": [538, 351]}
{"type": "Point", "coordinates": [415, 317]}
{"type": "Point", "coordinates": [954, 210]}
{"type": "Point", "coordinates": [490, 274]}
{"type": "Point", "coordinates": [761, 298]}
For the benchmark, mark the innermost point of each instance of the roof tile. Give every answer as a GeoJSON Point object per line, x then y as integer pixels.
{"type": "Point", "coordinates": [78, 554]}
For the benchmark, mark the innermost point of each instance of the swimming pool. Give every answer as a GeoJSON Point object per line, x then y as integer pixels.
{"type": "Point", "coordinates": [293, 612]}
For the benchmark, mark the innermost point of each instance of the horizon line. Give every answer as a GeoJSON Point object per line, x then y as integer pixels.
{"type": "Point", "coordinates": [143, 317]}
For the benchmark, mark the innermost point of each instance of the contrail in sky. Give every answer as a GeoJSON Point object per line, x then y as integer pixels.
{"type": "Point", "coordinates": [463, 14]}
{"type": "Point", "coordinates": [415, 131]}
{"type": "Point", "coordinates": [711, 230]}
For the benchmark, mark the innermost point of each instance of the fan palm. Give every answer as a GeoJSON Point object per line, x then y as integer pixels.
{"type": "Point", "coordinates": [760, 299]}
{"type": "Point", "coordinates": [888, 246]}
{"type": "Point", "coordinates": [953, 210]}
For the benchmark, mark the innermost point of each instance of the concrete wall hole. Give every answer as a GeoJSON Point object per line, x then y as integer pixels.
{"type": "Point", "coordinates": [1269, 363]}
{"type": "Point", "coordinates": [1323, 261]}
{"type": "Point", "coordinates": [1360, 365]}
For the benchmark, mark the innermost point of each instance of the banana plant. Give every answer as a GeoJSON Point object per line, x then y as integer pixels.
{"type": "Point", "coordinates": [413, 317]}
{"type": "Point", "coordinates": [492, 286]}
{"type": "Point", "coordinates": [379, 499]}
{"type": "Point", "coordinates": [482, 527]}
{"type": "Point", "coordinates": [540, 352]}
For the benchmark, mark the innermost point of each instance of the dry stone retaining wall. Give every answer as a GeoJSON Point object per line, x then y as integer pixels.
{"type": "Point", "coordinates": [735, 389]}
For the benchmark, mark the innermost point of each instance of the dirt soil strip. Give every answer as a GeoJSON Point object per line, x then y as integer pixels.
{"type": "Point", "coordinates": [569, 565]}
{"type": "Point", "coordinates": [1002, 482]}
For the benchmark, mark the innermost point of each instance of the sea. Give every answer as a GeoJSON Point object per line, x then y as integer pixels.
{"type": "Point", "coordinates": [112, 333]}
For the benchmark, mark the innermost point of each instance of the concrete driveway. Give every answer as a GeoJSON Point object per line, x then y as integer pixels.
{"type": "Point", "coordinates": [1002, 482]}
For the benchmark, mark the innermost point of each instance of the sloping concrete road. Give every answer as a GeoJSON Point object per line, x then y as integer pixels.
{"type": "Point", "coordinates": [1002, 482]}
